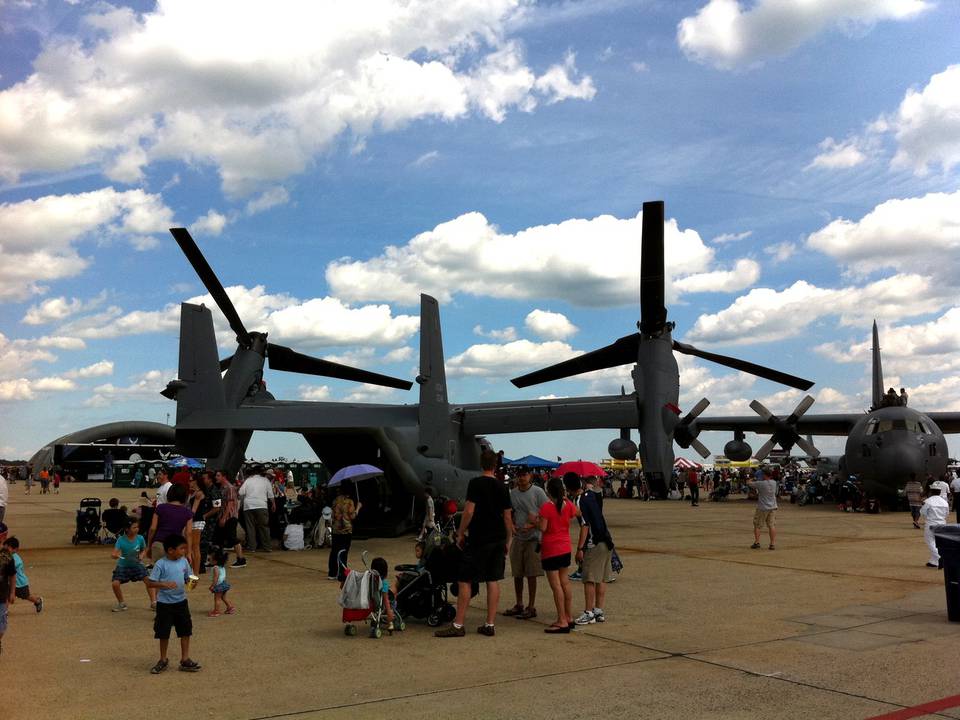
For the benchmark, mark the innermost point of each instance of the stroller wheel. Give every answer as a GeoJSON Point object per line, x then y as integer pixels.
{"type": "Point", "coordinates": [375, 632]}
{"type": "Point", "coordinates": [434, 620]}
{"type": "Point", "coordinates": [448, 613]}
{"type": "Point", "coordinates": [399, 625]}
{"type": "Point", "coordinates": [349, 630]}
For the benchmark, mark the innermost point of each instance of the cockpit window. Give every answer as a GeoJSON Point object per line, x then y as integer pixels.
{"type": "Point", "coordinates": [885, 426]}
{"type": "Point", "coordinates": [871, 427]}
{"type": "Point", "coordinates": [924, 428]}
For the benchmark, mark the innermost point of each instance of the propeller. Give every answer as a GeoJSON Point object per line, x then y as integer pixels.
{"type": "Point", "coordinates": [621, 352]}
{"type": "Point", "coordinates": [280, 357]}
{"type": "Point", "coordinates": [784, 431]}
{"type": "Point", "coordinates": [745, 366]}
{"type": "Point", "coordinates": [686, 431]}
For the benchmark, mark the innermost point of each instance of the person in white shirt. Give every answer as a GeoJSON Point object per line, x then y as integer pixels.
{"type": "Point", "coordinates": [165, 486]}
{"type": "Point", "coordinates": [934, 511]}
{"type": "Point", "coordinates": [256, 494]}
{"type": "Point", "coordinates": [944, 489]}
{"type": "Point", "coordinates": [955, 489]}
{"type": "Point", "coordinates": [4, 496]}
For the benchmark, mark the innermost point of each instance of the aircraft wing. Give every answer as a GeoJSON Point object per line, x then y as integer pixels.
{"type": "Point", "coordinates": [948, 422]}
{"type": "Point", "coordinates": [577, 413]}
{"type": "Point", "coordinates": [300, 416]}
{"type": "Point", "coordinates": [834, 424]}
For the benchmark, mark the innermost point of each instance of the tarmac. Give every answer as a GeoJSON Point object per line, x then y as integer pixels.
{"type": "Point", "coordinates": [842, 620]}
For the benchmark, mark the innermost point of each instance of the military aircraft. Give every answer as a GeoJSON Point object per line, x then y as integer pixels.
{"type": "Point", "coordinates": [884, 445]}
{"type": "Point", "coordinates": [433, 442]}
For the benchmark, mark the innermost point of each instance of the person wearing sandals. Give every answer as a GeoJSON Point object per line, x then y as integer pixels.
{"type": "Point", "coordinates": [555, 549]}
{"type": "Point", "coordinates": [169, 576]}
{"type": "Point", "coordinates": [219, 586]}
{"type": "Point", "coordinates": [526, 500]}
{"type": "Point", "coordinates": [766, 511]}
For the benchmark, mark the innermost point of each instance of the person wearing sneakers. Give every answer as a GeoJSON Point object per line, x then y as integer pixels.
{"type": "Point", "coordinates": [766, 511]}
{"type": "Point", "coordinates": [594, 548]}
{"type": "Point", "coordinates": [487, 514]}
{"type": "Point", "coordinates": [128, 551]}
{"type": "Point", "coordinates": [526, 500]}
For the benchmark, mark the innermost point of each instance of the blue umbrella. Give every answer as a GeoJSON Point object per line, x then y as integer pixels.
{"type": "Point", "coordinates": [180, 461]}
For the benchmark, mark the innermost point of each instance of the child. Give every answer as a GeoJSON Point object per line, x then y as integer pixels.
{"type": "Point", "coordinates": [7, 583]}
{"type": "Point", "coordinates": [22, 590]}
{"type": "Point", "coordinates": [169, 576]}
{"type": "Point", "coordinates": [128, 552]}
{"type": "Point", "coordinates": [218, 583]}
{"type": "Point", "coordinates": [379, 566]}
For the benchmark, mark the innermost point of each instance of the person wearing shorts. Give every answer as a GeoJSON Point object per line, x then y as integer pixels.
{"type": "Point", "coordinates": [169, 577]}
{"type": "Point", "coordinates": [487, 514]}
{"type": "Point", "coordinates": [594, 548]}
{"type": "Point", "coordinates": [766, 511]}
{"type": "Point", "coordinates": [228, 519]}
{"type": "Point", "coordinates": [8, 583]}
{"type": "Point", "coordinates": [128, 551]}
{"type": "Point", "coordinates": [526, 500]}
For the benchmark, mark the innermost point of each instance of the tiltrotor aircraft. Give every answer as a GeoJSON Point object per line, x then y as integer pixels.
{"type": "Point", "coordinates": [884, 445]}
{"type": "Point", "coordinates": [433, 442]}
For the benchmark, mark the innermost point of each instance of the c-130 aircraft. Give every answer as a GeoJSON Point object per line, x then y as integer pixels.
{"type": "Point", "coordinates": [433, 443]}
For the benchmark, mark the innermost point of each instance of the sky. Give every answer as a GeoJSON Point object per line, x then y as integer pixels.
{"type": "Point", "coordinates": [334, 160]}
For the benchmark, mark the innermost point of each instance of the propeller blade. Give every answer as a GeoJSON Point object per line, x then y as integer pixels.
{"type": "Point", "coordinates": [701, 449]}
{"type": "Point", "coordinates": [209, 279]}
{"type": "Point", "coordinates": [621, 352]}
{"type": "Point", "coordinates": [225, 363]}
{"type": "Point", "coordinates": [697, 409]}
{"type": "Point", "coordinates": [801, 408]}
{"type": "Point", "coordinates": [760, 410]}
{"type": "Point", "coordinates": [808, 447]}
{"type": "Point", "coordinates": [653, 313]}
{"type": "Point", "coordinates": [765, 449]}
{"type": "Point", "coordinates": [744, 366]}
{"type": "Point", "coordinates": [284, 358]}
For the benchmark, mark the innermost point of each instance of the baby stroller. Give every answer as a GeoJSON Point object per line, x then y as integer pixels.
{"type": "Point", "coordinates": [88, 521]}
{"type": "Point", "coordinates": [362, 601]}
{"type": "Point", "coordinates": [422, 590]}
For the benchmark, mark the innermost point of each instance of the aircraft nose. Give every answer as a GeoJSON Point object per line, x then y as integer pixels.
{"type": "Point", "coordinates": [899, 460]}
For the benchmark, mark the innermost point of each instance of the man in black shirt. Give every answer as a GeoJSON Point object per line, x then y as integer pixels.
{"type": "Point", "coordinates": [487, 516]}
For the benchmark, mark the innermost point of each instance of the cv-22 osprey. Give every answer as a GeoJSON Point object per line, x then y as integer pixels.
{"type": "Point", "coordinates": [433, 442]}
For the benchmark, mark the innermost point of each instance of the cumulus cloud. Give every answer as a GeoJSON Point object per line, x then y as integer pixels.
{"type": "Point", "coordinates": [97, 369]}
{"type": "Point", "coordinates": [60, 308]}
{"type": "Point", "coordinates": [313, 392]}
{"type": "Point", "coordinates": [729, 33]}
{"type": "Point", "coordinates": [259, 105]}
{"type": "Point", "coordinates": [212, 223]}
{"type": "Point", "coordinates": [145, 387]}
{"type": "Point", "coordinates": [493, 360]}
{"type": "Point", "coordinates": [725, 238]}
{"type": "Point", "coordinates": [550, 325]}
{"type": "Point", "coordinates": [911, 235]}
{"type": "Point", "coordinates": [268, 199]}
{"type": "Point", "coordinates": [39, 238]}
{"type": "Point", "coordinates": [836, 155]}
{"type": "Point", "coordinates": [781, 252]}
{"type": "Point", "coordinates": [569, 261]}
{"type": "Point", "coordinates": [505, 335]}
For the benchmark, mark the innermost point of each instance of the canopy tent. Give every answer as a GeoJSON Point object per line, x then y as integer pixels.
{"type": "Point", "coordinates": [531, 461]}
{"type": "Point", "coordinates": [682, 463]}
{"type": "Point", "coordinates": [179, 461]}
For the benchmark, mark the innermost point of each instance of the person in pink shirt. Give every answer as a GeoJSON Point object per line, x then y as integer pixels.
{"type": "Point", "coordinates": [555, 549]}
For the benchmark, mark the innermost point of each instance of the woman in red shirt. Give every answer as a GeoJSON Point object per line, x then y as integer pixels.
{"type": "Point", "coordinates": [555, 550]}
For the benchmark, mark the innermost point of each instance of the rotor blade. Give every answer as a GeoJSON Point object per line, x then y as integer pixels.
{"type": "Point", "coordinates": [621, 352]}
{"type": "Point", "coordinates": [225, 363]}
{"type": "Point", "coordinates": [765, 449]}
{"type": "Point", "coordinates": [744, 366]}
{"type": "Point", "coordinates": [808, 447]}
{"type": "Point", "coordinates": [801, 408]}
{"type": "Point", "coordinates": [653, 313]}
{"type": "Point", "coordinates": [697, 409]}
{"type": "Point", "coordinates": [760, 410]}
{"type": "Point", "coordinates": [209, 279]}
{"type": "Point", "coordinates": [701, 449]}
{"type": "Point", "coordinates": [284, 358]}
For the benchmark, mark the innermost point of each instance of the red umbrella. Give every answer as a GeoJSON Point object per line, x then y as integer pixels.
{"type": "Point", "coordinates": [581, 468]}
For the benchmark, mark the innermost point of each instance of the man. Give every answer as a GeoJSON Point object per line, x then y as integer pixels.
{"type": "Point", "coordinates": [594, 548]}
{"type": "Point", "coordinates": [526, 500]}
{"type": "Point", "coordinates": [256, 493]}
{"type": "Point", "coordinates": [4, 496]}
{"type": "Point", "coordinates": [914, 492]}
{"type": "Point", "coordinates": [944, 489]}
{"type": "Point", "coordinates": [693, 482]}
{"type": "Point", "coordinates": [487, 515]}
{"type": "Point", "coordinates": [934, 511]}
{"type": "Point", "coordinates": [164, 487]}
{"type": "Point", "coordinates": [766, 511]}
{"type": "Point", "coordinates": [954, 489]}
{"type": "Point", "coordinates": [228, 518]}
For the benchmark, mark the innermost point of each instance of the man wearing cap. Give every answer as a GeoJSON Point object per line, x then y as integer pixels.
{"type": "Point", "coordinates": [766, 511]}
{"type": "Point", "coordinates": [256, 494]}
{"type": "Point", "coordinates": [526, 500]}
{"type": "Point", "coordinates": [934, 511]}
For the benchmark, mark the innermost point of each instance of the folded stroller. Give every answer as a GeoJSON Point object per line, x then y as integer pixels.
{"type": "Point", "coordinates": [88, 521]}
{"type": "Point", "coordinates": [362, 601]}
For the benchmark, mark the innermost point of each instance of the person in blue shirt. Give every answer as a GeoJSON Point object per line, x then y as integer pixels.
{"type": "Point", "coordinates": [170, 576]}
{"type": "Point", "coordinates": [379, 565]}
{"type": "Point", "coordinates": [22, 590]}
{"type": "Point", "coordinates": [128, 551]}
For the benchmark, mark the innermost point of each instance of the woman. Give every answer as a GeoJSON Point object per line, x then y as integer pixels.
{"type": "Point", "coordinates": [202, 497]}
{"type": "Point", "coordinates": [343, 515]}
{"type": "Point", "coordinates": [172, 518]}
{"type": "Point", "coordinates": [429, 517]}
{"type": "Point", "coordinates": [555, 548]}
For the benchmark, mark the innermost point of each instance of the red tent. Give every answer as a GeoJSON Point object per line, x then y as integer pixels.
{"type": "Point", "coordinates": [683, 464]}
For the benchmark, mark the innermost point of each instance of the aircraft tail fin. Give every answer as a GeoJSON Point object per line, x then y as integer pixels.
{"type": "Point", "coordinates": [877, 369]}
{"type": "Point", "coordinates": [199, 385]}
{"type": "Point", "coordinates": [434, 408]}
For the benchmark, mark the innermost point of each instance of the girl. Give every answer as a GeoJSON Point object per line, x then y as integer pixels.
{"type": "Point", "coordinates": [218, 583]}
{"type": "Point", "coordinates": [555, 548]}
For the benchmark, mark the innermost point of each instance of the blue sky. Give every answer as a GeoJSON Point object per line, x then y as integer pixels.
{"type": "Point", "coordinates": [807, 153]}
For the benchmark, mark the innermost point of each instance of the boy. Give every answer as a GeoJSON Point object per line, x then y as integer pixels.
{"type": "Point", "coordinates": [22, 589]}
{"type": "Point", "coordinates": [128, 551]}
{"type": "Point", "coordinates": [169, 576]}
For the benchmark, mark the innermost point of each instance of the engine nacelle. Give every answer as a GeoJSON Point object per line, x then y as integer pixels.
{"type": "Point", "coordinates": [738, 450]}
{"type": "Point", "coordinates": [621, 449]}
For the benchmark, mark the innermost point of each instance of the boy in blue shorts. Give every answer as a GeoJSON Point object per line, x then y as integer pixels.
{"type": "Point", "coordinates": [22, 590]}
{"type": "Point", "coordinates": [169, 576]}
{"type": "Point", "coordinates": [128, 552]}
